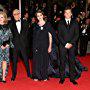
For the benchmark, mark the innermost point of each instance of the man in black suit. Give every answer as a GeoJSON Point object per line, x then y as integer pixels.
{"type": "Point", "coordinates": [68, 35]}
{"type": "Point", "coordinates": [20, 40]}
{"type": "Point", "coordinates": [84, 31]}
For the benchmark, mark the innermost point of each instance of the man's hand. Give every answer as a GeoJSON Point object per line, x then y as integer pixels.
{"type": "Point", "coordinates": [68, 46]}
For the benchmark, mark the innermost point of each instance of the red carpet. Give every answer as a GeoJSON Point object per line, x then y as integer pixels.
{"type": "Point", "coordinates": [24, 83]}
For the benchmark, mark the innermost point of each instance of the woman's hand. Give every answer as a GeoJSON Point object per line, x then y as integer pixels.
{"type": "Point", "coordinates": [49, 49]}
{"type": "Point", "coordinates": [4, 47]}
{"type": "Point", "coordinates": [50, 43]}
{"type": "Point", "coordinates": [7, 46]}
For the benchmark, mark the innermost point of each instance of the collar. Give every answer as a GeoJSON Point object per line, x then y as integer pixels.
{"type": "Point", "coordinates": [68, 20]}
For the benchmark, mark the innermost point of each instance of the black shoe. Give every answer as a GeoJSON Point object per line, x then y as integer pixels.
{"type": "Point", "coordinates": [61, 81]}
{"type": "Point", "coordinates": [45, 79]}
{"type": "Point", "coordinates": [3, 81]}
{"type": "Point", "coordinates": [13, 79]}
{"type": "Point", "coordinates": [82, 55]}
{"type": "Point", "coordinates": [0, 79]}
{"type": "Point", "coordinates": [29, 76]}
{"type": "Point", "coordinates": [74, 82]}
{"type": "Point", "coordinates": [85, 69]}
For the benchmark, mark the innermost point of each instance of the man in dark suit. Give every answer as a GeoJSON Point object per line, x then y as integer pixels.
{"type": "Point", "coordinates": [68, 35]}
{"type": "Point", "coordinates": [20, 40]}
{"type": "Point", "coordinates": [84, 31]}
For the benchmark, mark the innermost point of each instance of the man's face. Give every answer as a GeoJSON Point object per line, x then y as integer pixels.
{"type": "Point", "coordinates": [16, 15]}
{"type": "Point", "coordinates": [26, 15]}
{"type": "Point", "coordinates": [67, 14]}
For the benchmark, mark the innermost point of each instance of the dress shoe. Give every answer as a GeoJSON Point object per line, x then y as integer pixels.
{"type": "Point", "coordinates": [82, 55]}
{"type": "Point", "coordinates": [30, 76]}
{"type": "Point", "coordinates": [61, 81]}
{"type": "Point", "coordinates": [12, 79]}
{"type": "Point", "coordinates": [74, 82]}
{"type": "Point", "coordinates": [85, 69]}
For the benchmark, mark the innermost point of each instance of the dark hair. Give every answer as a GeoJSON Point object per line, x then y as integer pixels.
{"type": "Point", "coordinates": [39, 11]}
{"type": "Point", "coordinates": [68, 8]}
{"type": "Point", "coordinates": [26, 12]}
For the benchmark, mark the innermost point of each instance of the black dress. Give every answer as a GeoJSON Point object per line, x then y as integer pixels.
{"type": "Point", "coordinates": [40, 51]}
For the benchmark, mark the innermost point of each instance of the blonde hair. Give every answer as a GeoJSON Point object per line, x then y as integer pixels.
{"type": "Point", "coordinates": [5, 17]}
{"type": "Point", "coordinates": [15, 11]}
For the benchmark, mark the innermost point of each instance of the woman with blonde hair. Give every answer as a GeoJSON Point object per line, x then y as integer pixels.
{"type": "Point", "coordinates": [5, 44]}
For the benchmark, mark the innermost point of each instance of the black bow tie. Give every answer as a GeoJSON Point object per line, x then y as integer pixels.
{"type": "Point", "coordinates": [18, 21]}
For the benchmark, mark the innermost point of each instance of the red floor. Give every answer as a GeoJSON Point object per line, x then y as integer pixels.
{"type": "Point", "coordinates": [24, 83]}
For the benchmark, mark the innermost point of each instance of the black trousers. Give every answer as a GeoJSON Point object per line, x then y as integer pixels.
{"type": "Point", "coordinates": [23, 53]}
{"type": "Point", "coordinates": [69, 55]}
{"type": "Point", "coordinates": [83, 44]}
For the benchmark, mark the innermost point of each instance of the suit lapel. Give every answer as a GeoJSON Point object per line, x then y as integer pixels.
{"type": "Point", "coordinates": [67, 27]}
{"type": "Point", "coordinates": [71, 22]}
{"type": "Point", "coordinates": [21, 25]}
{"type": "Point", "coordinates": [15, 27]}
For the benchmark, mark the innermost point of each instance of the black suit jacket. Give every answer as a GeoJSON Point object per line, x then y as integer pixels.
{"type": "Point", "coordinates": [20, 40]}
{"type": "Point", "coordinates": [68, 34]}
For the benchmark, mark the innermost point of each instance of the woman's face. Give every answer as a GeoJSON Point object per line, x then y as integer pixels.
{"type": "Point", "coordinates": [2, 19]}
{"type": "Point", "coordinates": [40, 16]}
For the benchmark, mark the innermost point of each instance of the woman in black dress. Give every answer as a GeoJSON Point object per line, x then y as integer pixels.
{"type": "Point", "coordinates": [42, 45]}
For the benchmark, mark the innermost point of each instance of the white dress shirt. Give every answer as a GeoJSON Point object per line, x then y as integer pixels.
{"type": "Point", "coordinates": [18, 25]}
{"type": "Point", "coordinates": [68, 20]}
{"type": "Point", "coordinates": [41, 28]}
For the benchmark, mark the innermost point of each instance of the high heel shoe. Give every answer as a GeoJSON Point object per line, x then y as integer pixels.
{"type": "Point", "coordinates": [0, 79]}
{"type": "Point", "coordinates": [3, 81]}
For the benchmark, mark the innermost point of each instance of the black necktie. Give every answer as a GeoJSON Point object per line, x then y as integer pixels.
{"type": "Point", "coordinates": [68, 23]}
{"type": "Point", "coordinates": [18, 21]}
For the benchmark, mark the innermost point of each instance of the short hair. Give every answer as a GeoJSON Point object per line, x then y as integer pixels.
{"type": "Point", "coordinates": [15, 11]}
{"type": "Point", "coordinates": [39, 11]}
{"type": "Point", "coordinates": [68, 8]}
{"type": "Point", "coordinates": [5, 17]}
